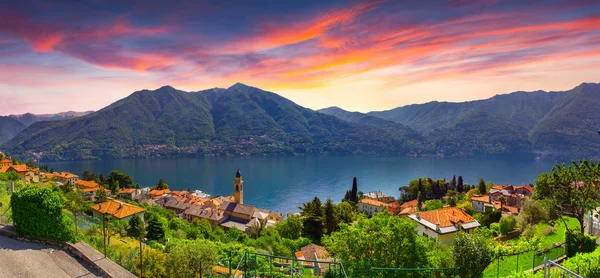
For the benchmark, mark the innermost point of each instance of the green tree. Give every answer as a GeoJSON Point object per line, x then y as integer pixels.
{"type": "Point", "coordinates": [472, 255]}
{"type": "Point", "coordinates": [16, 161]}
{"type": "Point", "coordinates": [37, 213]}
{"type": "Point", "coordinates": [382, 241]}
{"type": "Point", "coordinates": [156, 228]}
{"type": "Point", "coordinates": [460, 187]}
{"type": "Point", "coordinates": [532, 212]}
{"type": "Point", "coordinates": [507, 225]}
{"type": "Point", "coordinates": [453, 183]}
{"type": "Point", "coordinates": [354, 193]}
{"type": "Point", "coordinates": [451, 194]}
{"type": "Point", "coordinates": [433, 205]}
{"type": "Point", "coordinates": [192, 258]}
{"type": "Point", "coordinates": [257, 228]}
{"type": "Point", "coordinates": [313, 219]}
{"type": "Point", "coordinates": [124, 181]}
{"type": "Point", "coordinates": [88, 176]}
{"type": "Point", "coordinates": [291, 227]}
{"type": "Point", "coordinates": [346, 213]}
{"type": "Point", "coordinates": [330, 218]}
{"type": "Point", "coordinates": [136, 227]}
{"type": "Point", "coordinates": [74, 202]}
{"type": "Point", "coordinates": [482, 187]}
{"type": "Point", "coordinates": [420, 200]}
{"type": "Point", "coordinates": [162, 185]}
{"type": "Point", "coordinates": [100, 196]}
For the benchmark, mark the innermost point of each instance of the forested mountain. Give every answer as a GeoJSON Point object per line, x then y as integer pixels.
{"type": "Point", "coordinates": [29, 119]}
{"type": "Point", "coordinates": [240, 120]}
{"type": "Point", "coordinates": [9, 128]}
{"type": "Point", "coordinates": [550, 123]}
{"type": "Point", "coordinates": [243, 120]}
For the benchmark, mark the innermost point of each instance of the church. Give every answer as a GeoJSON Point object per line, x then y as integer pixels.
{"type": "Point", "coordinates": [231, 212]}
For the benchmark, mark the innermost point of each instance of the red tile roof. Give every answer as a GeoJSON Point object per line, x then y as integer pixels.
{"type": "Point", "coordinates": [409, 204]}
{"type": "Point", "coordinates": [446, 216]}
{"type": "Point", "coordinates": [86, 184]}
{"type": "Point", "coordinates": [373, 202]}
{"type": "Point", "coordinates": [481, 198]}
{"type": "Point", "coordinates": [117, 209]}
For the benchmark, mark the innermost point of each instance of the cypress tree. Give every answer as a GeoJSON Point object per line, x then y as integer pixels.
{"type": "Point", "coordinates": [155, 229]}
{"type": "Point", "coordinates": [460, 186]}
{"type": "Point", "coordinates": [453, 183]}
{"type": "Point", "coordinates": [481, 187]}
{"type": "Point", "coordinates": [354, 197]}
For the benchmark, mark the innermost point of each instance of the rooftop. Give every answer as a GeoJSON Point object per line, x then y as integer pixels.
{"type": "Point", "coordinates": [117, 209]}
{"type": "Point", "coordinates": [409, 204]}
{"type": "Point", "coordinates": [447, 218]}
{"type": "Point", "coordinates": [373, 202]}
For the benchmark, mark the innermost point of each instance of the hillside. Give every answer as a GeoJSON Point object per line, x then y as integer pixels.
{"type": "Point", "coordinates": [28, 118]}
{"type": "Point", "coordinates": [562, 124]}
{"type": "Point", "coordinates": [240, 120]}
{"type": "Point", "coordinates": [9, 128]}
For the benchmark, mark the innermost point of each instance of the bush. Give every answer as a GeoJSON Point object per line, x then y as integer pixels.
{"type": "Point", "coordinates": [472, 255]}
{"type": "Point", "coordinates": [548, 231]}
{"type": "Point", "coordinates": [495, 229]}
{"type": "Point", "coordinates": [573, 241]}
{"type": "Point", "coordinates": [507, 225]}
{"type": "Point", "coordinates": [529, 231]}
{"type": "Point", "coordinates": [37, 213]}
{"type": "Point", "coordinates": [490, 217]}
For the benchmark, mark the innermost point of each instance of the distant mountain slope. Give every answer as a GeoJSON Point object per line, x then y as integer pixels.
{"type": "Point", "coordinates": [572, 124]}
{"type": "Point", "coordinates": [9, 128]}
{"type": "Point", "coordinates": [240, 120]}
{"type": "Point", "coordinates": [408, 136]}
{"type": "Point", "coordinates": [29, 118]}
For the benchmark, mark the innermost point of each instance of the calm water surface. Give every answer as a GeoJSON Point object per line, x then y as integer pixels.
{"type": "Point", "coordinates": [284, 183]}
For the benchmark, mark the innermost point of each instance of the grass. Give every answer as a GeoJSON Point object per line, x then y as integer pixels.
{"type": "Point", "coordinates": [525, 261]}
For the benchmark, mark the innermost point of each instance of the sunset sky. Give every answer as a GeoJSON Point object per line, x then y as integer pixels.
{"type": "Point", "coordinates": [361, 56]}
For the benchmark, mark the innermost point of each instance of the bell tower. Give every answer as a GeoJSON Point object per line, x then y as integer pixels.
{"type": "Point", "coordinates": [238, 188]}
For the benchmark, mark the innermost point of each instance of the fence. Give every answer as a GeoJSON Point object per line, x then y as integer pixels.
{"type": "Point", "coordinates": [504, 266]}
{"type": "Point", "coordinates": [552, 269]}
{"type": "Point", "coordinates": [264, 265]}
{"type": "Point", "coordinates": [411, 272]}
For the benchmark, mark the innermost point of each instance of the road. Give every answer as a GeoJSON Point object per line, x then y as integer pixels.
{"type": "Point", "coordinates": [25, 259]}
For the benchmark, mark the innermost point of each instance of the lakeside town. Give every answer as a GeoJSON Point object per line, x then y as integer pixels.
{"type": "Point", "coordinates": [514, 220]}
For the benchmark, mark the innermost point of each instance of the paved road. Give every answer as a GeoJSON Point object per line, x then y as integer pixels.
{"type": "Point", "coordinates": [25, 259]}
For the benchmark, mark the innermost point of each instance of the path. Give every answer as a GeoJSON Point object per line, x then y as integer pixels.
{"type": "Point", "coordinates": [25, 259]}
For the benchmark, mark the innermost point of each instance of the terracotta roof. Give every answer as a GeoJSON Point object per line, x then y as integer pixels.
{"type": "Point", "coordinates": [17, 168]}
{"type": "Point", "coordinates": [4, 169]}
{"type": "Point", "coordinates": [6, 160]}
{"type": "Point", "coordinates": [407, 211]}
{"type": "Point", "coordinates": [409, 204]}
{"type": "Point", "coordinates": [175, 204]}
{"type": "Point", "coordinates": [528, 188]}
{"type": "Point", "coordinates": [310, 250]}
{"type": "Point", "coordinates": [86, 184]}
{"type": "Point", "coordinates": [180, 192]}
{"type": "Point", "coordinates": [208, 213]}
{"type": "Point", "coordinates": [373, 202]}
{"type": "Point", "coordinates": [481, 198]}
{"type": "Point", "coordinates": [446, 216]}
{"type": "Point", "coordinates": [90, 189]}
{"type": "Point", "coordinates": [117, 209]}
{"type": "Point", "coordinates": [126, 190]}
{"type": "Point", "coordinates": [157, 192]}
{"type": "Point", "coordinates": [67, 175]}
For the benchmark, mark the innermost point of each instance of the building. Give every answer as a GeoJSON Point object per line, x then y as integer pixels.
{"type": "Point", "coordinates": [379, 196]}
{"type": "Point", "coordinates": [513, 196]}
{"type": "Point", "coordinates": [6, 162]}
{"type": "Point", "coordinates": [481, 203]}
{"type": "Point", "coordinates": [370, 207]}
{"type": "Point", "coordinates": [27, 175]}
{"type": "Point", "coordinates": [214, 217]}
{"type": "Point", "coordinates": [443, 224]}
{"type": "Point", "coordinates": [394, 208]}
{"type": "Point", "coordinates": [316, 257]}
{"type": "Point", "coordinates": [177, 206]}
{"type": "Point", "coordinates": [409, 207]}
{"type": "Point", "coordinates": [238, 188]}
{"type": "Point", "coordinates": [129, 193]}
{"type": "Point", "coordinates": [117, 209]}
{"type": "Point", "coordinates": [66, 178]}
{"type": "Point", "coordinates": [89, 188]}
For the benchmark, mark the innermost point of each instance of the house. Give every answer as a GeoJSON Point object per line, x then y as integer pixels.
{"type": "Point", "coordinates": [394, 208]}
{"type": "Point", "coordinates": [408, 208]}
{"type": "Point", "coordinates": [89, 188]}
{"type": "Point", "coordinates": [129, 193]}
{"type": "Point", "coordinates": [379, 196]}
{"type": "Point", "coordinates": [370, 207]}
{"type": "Point", "coordinates": [27, 175]}
{"type": "Point", "coordinates": [6, 162]}
{"type": "Point", "coordinates": [241, 212]}
{"type": "Point", "coordinates": [117, 209]}
{"type": "Point", "coordinates": [158, 194]}
{"type": "Point", "coordinates": [443, 224]}
{"type": "Point", "coordinates": [316, 257]}
{"type": "Point", "coordinates": [481, 203]}
{"type": "Point", "coordinates": [212, 215]}
{"type": "Point", "coordinates": [177, 206]}
{"type": "Point", "coordinates": [66, 178]}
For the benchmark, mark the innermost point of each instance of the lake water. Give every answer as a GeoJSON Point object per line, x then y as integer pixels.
{"type": "Point", "coordinates": [284, 183]}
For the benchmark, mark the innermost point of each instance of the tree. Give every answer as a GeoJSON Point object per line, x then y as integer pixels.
{"type": "Point", "coordinates": [472, 254]}
{"type": "Point", "coordinates": [37, 213]}
{"type": "Point", "coordinates": [313, 220]}
{"type": "Point", "coordinates": [257, 228]}
{"type": "Point", "coordinates": [136, 227]}
{"type": "Point", "coordinates": [88, 176]}
{"type": "Point", "coordinates": [433, 205]}
{"type": "Point", "coordinates": [451, 194]}
{"type": "Point", "coordinates": [74, 202]}
{"type": "Point", "coordinates": [453, 183]}
{"type": "Point", "coordinates": [330, 218]}
{"type": "Point", "coordinates": [191, 258]}
{"type": "Point", "coordinates": [507, 225]}
{"type": "Point", "coordinates": [460, 187]}
{"type": "Point", "coordinates": [502, 201]}
{"type": "Point", "coordinates": [420, 200]}
{"type": "Point", "coordinates": [16, 161]}
{"type": "Point", "coordinates": [346, 213]}
{"type": "Point", "coordinates": [482, 188]}
{"type": "Point", "coordinates": [162, 185]}
{"type": "Point", "coordinates": [100, 196]}
{"type": "Point", "coordinates": [354, 195]}
{"type": "Point", "coordinates": [291, 227]}
{"type": "Point", "coordinates": [124, 181]}
{"type": "Point", "coordinates": [155, 229]}
{"type": "Point", "coordinates": [383, 241]}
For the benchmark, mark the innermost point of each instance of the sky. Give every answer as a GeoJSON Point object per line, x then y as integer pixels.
{"type": "Point", "coordinates": [363, 56]}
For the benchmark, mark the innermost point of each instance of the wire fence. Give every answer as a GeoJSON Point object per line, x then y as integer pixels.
{"type": "Point", "coordinates": [265, 265]}
{"type": "Point", "coordinates": [505, 266]}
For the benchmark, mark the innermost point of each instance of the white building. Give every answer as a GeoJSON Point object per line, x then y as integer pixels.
{"type": "Point", "coordinates": [443, 224]}
{"type": "Point", "coordinates": [370, 207]}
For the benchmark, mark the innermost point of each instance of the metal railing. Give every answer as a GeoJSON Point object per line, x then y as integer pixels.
{"type": "Point", "coordinates": [552, 269]}
{"type": "Point", "coordinates": [264, 265]}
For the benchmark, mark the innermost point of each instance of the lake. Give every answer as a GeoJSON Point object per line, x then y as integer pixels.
{"type": "Point", "coordinates": [284, 183]}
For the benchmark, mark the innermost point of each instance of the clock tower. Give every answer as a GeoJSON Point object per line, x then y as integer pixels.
{"type": "Point", "coordinates": [238, 188]}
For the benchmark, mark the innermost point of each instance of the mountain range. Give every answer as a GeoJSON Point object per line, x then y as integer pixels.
{"type": "Point", "coordinates": [243, 120]}
{"type": "Point", "coordinates": [11, 125]}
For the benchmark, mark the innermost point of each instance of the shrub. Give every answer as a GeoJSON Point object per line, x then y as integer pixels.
{"type": "Point", "coordinates": [472, 255]}
{"type": "Point", "coordinates": [573, 241]}
{"type": "Point", "coordinates": [507, 225]}
{"type": "Point", "coordinates": [495, 229]}
{"type": "Point", "coordinates": [37, 213]}
{"type": "Point", "coordinates": [529, 231]}
{"type": "Point", "coordinates": [548, 231]}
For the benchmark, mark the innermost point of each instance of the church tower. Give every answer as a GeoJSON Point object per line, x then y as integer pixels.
{"type": "Point", "coordinates": [238, 188]}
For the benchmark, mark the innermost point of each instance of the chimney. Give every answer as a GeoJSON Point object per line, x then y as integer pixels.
{"type": "Point", "coordinates": [418, 216]}
{"type": "Point", "coordinates": [437, 226]}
